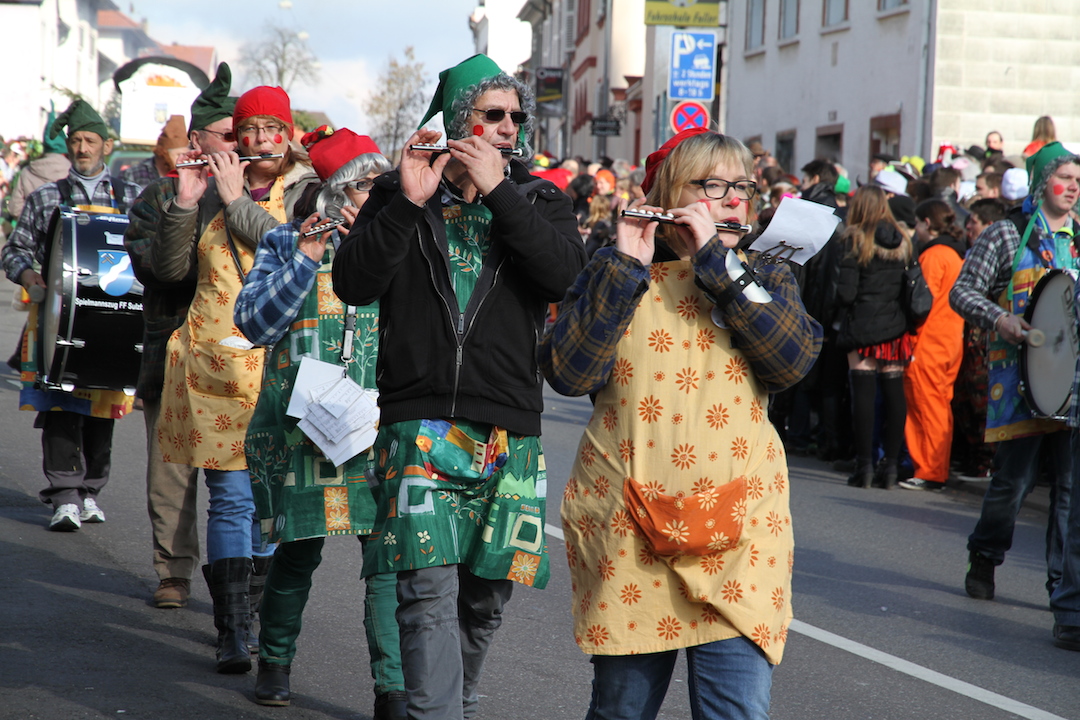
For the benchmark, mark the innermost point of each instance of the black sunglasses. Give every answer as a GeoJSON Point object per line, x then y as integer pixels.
{"type": "Point", "coordinates": [518, 117]}
{"type": "Point", "coordinates": [362, 185]}
{"type": "Point", "coordinates": [226, 136]}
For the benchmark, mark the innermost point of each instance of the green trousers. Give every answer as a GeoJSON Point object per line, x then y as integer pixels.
{"type": "Point", "coordinates": [287, 588]}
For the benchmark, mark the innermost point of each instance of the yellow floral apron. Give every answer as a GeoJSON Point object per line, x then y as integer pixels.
{"type": "Point", "coordinates": [211, 386]}
{"type": "Point", "coordinates": [680, 417]}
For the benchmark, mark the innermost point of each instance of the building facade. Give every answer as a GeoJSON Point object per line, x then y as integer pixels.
{"type": "Point", "coordinates": [844, 79]}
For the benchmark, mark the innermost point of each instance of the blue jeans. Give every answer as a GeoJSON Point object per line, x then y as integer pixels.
{"type": "Point", "coordinates": [729, 680]}
{"type": "Point", "coordinates": [1065, 599]}
{"type": "Point", "coordinates": [231, 530]}
{"type": "Point", "coordinates": [1016, 468]}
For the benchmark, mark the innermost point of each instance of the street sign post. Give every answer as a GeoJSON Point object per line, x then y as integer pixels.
{"type": "Point", "coordinates": [692, 74]}
{"type": "Point", "coordinates": [606, 127]}
{"type": "Point", "coordinates": [689, 114]}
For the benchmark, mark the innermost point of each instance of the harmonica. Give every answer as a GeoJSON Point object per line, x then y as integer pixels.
{"type": "Point", "coordinates": [203, 161]}
{"type": "Point", "coordinates": [423, 147]}
{"type": "Point", "coordinates": [319, 229]}
{"type": "Point", "coordinates": [669, 219]}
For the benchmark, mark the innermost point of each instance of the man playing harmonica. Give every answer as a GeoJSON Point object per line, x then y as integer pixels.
{"type": "Point", "coordinates": [463, 250]}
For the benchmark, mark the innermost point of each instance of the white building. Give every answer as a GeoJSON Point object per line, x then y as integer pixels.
{"type": "Point", "coordinates": [52, 50]}
{"type": "Point", "coordinates": [843, 79]}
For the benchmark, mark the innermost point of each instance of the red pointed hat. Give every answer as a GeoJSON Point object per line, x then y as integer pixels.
{"type": "Point", "coordinates": [656, 159]}
{"type": "Point", "coordinates": [263, 100]}
{"type": "Point", "coordinates": [329, 149]}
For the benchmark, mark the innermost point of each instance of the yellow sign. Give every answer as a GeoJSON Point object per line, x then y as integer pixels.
{"type": "Point", "coordinates": [683, 13]}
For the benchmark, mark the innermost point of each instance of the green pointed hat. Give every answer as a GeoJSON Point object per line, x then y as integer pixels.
{"type": "Point", "coordinates": [213, 103]}
{"type": "Point", "coordinates": [79, 116]}
{"type": "Point", "coordinates": [57, 143]}
{"type": "Point", "coordinates": [1049, 155]}
{"type": "Point", "coordinates": [455, 82]}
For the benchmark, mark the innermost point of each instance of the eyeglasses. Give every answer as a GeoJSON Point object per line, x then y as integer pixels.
{"type": "Point", "coordinates": [494, 115]}
{"type": "Point", "coordinates": [364, 185]}
{"type": "Point", "coordinates": [252, 131]}
{"type": "Point", "coordinates": [226, 136]}
{"type": "Point", "coordinates": [717, 189]}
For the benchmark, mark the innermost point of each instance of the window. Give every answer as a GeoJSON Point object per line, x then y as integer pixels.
{"type": "Point", "coordinates": [885, 135]}
{"type": "Point", "coordinates": [829, 144]}
{"type": "Point", "coordinates": [836, 12]}
{"type": "Point", "coordinates": [789, 19]}
{"type": "Point", "coordinates": [890, 4]}
{"type": "Point", "coordinates": [755, 25]}
{"type": "Point", "coordinates": [785, 149]}
{"type": "Point", "coordinates": [583, 22]}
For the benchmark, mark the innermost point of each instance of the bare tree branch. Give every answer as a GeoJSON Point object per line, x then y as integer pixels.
{"type": "Point", "coordinates": [281, 57]}
{"type": "Point", "coordinates": [396, 107]}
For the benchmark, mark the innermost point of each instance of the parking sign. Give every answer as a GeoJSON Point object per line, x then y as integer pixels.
{"type": "Point", "coordinates": [693, 66]}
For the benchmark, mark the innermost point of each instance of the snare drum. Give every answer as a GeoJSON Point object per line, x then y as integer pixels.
{"type": "Point", "coordinates": [1047, 371]}
{"type": "Point", "coordinates": [91, 324]}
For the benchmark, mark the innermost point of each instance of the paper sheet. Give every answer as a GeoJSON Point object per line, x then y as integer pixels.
{"type": "Point", "coordinates": [799, 224]}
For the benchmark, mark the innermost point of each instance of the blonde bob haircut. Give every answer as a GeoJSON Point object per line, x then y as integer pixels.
{"type": "Point", "coordinates": [695, 159]}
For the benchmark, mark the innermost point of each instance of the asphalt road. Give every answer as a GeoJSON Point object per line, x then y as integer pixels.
{"type": "Point", "coordinates": [884, 629]}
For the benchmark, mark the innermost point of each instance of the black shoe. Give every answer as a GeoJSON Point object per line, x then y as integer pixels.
{"type": "Point", "coordinates": [272, 684]}
{"type": "Point", "coordinates": [391, 706]}
{"type": "Point", "coordinates": [886, 475]}
{"type": "Point", "coordinates": [228, 579]}
{"type": "Point", "coordinates": [1067, 637]}
{"type": "Point", "coordinates": [979, 581]}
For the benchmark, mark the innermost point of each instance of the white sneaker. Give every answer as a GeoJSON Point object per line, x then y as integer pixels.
{"type": "Point", "coordinates": [66, 518]}
{"type": "Point", "coordinates": [91, 513]}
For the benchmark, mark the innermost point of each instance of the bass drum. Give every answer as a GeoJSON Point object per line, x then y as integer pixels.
{"type": "Point", "coordinates": [1047, 369]}
{"type": "Point", "coordinates": [90, 326]}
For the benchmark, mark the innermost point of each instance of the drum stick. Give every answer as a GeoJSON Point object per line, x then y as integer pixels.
{"type": "Point", "coordinates": [249, 158]}
{"type": "Point", "coordinates": [319, 229]}
{"type": "Point", "coordinates": [669, 219]}
{"type": "Point", "coordinates": [424, 147]}
{"type": "Point", "coordinates": [1034, 337]}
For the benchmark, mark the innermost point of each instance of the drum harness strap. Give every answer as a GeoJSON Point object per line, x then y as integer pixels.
{"type": "Point", "coordinates": [1027, 242]}
{"type": "Point", "coordinates": [118, 206]}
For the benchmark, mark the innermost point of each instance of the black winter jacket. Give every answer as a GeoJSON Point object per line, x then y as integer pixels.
{"type": "Point", "coordinates": [435, 362]}
{"type": "Point", "coordinates": [872, 292]}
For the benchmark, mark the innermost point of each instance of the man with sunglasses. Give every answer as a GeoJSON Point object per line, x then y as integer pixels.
{"type": "Point", "coordinates": [464, 250]}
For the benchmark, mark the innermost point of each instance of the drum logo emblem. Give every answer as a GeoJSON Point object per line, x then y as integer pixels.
{"type": "Point", "coordinates": [115, 275]}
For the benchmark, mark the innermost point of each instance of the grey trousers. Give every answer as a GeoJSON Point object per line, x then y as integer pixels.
{"type": "Point", "coordinates": [76, 456]}
{"type": "Point", "coordinates": [171, 502]}
{"type": "Point", "coordinates": [447, 618]}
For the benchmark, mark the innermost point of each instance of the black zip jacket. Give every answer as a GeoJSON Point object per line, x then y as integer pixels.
{"type": "Point", "coordinates": [435, 362]}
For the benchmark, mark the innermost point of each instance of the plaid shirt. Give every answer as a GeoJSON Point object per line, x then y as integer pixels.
{"type": "Point", "coordinates": [141, 173]}
{"type": "Point", "coordinates": [28, 242]}
{"type": "Point", "coordinates": [276, 287]}
{"type": "Point", "coordinates": [779, 339]}
{"type": "Point", "coordinates": [986, 272]}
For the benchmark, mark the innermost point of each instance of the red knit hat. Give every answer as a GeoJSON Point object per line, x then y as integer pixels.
{"type": "Point", "coordinates": [656, 159]}
{"type": "Point", "coordinates": [263, 100]}
{"type": "Point", "coordinates": [330, 149]}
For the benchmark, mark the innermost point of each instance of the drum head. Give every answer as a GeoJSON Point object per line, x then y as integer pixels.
{"type": "Point", "coordinates": [1048, 370]}
{"type": "Point", "coordinates": [51, 312]}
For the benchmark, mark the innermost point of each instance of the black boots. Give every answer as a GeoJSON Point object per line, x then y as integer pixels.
{"type": "Point", "coordinates": [391, 706]}
{"type": "Point", "coordinates": [260, 566]}
{"type": "Point", "coordinates": [272, 684]}
{"type": "Point", "coordinates": [228, 579]}
{"type": "Point", "coordinates": [864, 473]}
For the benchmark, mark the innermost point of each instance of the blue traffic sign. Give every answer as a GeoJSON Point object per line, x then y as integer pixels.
{"type": "Point", "coordinates": [693, 66]}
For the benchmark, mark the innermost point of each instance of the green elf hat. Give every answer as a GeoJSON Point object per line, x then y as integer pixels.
{"type": "Point", "coordinates": [79, 116]}
{"type": "Point", "coordinates": [213, 103]}
{"type": "Point", "coordinates": [57, 144]}
{"type": "Point", "coordinates": [455, 82]}
{"type": "Point", "coordinates": [1038, 163]}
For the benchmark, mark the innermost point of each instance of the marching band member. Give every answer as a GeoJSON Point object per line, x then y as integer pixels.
{"type": "Point", "coordinates": [993, 288]}
{"type": "Point", "coordinates": [463, 250]}
{"type": "Point", "coordinates": [300, 496]}
{"type": "Point", "coordinates": [171, 488]}
{"type": "Point", "coordinates": [677, 505]}
{"type": "Point", "coordinates": [76, 427]}
{"type": "Point", "coordinates": [213, 373]}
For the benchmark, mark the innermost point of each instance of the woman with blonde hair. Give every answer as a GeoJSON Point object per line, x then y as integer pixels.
{"type": "Point", "coordinates": [874, 329]}
{"type": "Point", "coordinates": [1043, 133]}
{"type": "Point", "coordinates": [677, 503]}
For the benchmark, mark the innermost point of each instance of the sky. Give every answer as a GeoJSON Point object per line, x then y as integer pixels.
{"type": "Point", "coordinates": [353, 40]}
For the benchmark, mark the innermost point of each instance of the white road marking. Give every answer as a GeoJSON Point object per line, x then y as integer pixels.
{"type": "Point", "coordinates": [900, 665]}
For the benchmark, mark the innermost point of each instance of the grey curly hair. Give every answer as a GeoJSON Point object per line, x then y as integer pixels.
{"type": "Point", "coordinates": [332, 197]}
{"type": "Point", "coordinates": [460, 126]}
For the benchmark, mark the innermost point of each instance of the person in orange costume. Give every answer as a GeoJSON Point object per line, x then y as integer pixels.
{"type": "Point", "coordinates": [939, 347]}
